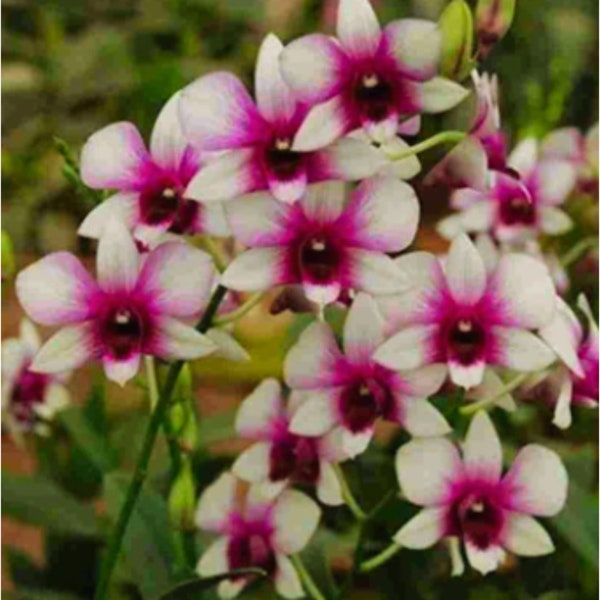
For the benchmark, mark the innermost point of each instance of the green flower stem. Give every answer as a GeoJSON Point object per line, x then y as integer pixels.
{"type": "Point", "coordinates": [380, 559]}
{"type": "Point", "coordinates": [445, 137]}
{"type": "Point", "coordinates": [577, 251]}
{"type": "Point", "coordinates": [485, 402]}
{"type": "Point", "coordinates": [242, 310]}
{"type": "Point", "coordinates": [353, 505]}
{"type": "Point", "coordinates": [309, 585]}
{"type": "Point", "coordinates": [141, 468]}
{"type": "Point", "coordinates": [151, 381]}
{"type": "Point", "coordinates": [213, 249]}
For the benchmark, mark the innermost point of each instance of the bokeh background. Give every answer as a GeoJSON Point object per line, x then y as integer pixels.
{"type": "Point", "coordinates": [69, 67]}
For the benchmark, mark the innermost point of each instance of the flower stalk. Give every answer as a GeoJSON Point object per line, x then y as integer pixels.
{"type": "Point", "coordinates": [349, 498]}
{"type": "Point", "coordinates": [241, 311]}
{"type": "Point", "coordinates": [309, 585]}
{"type": "Point", "coordinates": [491, 400]}
{"type": "Point", "coordinates": [380, 559]}
{"type": "Point", "coordinates": [445, 137]}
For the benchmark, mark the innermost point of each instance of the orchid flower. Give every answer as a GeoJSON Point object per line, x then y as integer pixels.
{"type": "Point", "coordinates": [136, 307]}
{"type": "Point", "coordinates": [322, 244]}
{"type": "Point", "coordinates": [254, 532]}
{"type": "Point", "coordinates": [29, 399]}
{"type": "Point", "coordinates": [348, 391]}
{"type": "Point", "coordinates": [279, 457]}
{"type": "Point", "coordinates": [259, 140]}
{"type": "Point", "coordinates": [575, 381]}
{"type": "Point", "coordinates": [153, 196]}
{"type": "Point", "coordinates": [468, 498]}
{"type": "Point", "coordinates": [461, 315]}
{"type": "Point", "coordinates": [378, 80]}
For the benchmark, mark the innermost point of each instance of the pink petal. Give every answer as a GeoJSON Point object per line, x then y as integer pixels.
{"type": "Point", "coordinates": [259, 410]}
{"type": "Point", "coordinates": [410, 126]}
{"type": "Point", "coordinates": [122, 207]}
{"type": "Point", "coordinates": [288, 190]}
{"type": "Point", "coordinates": [363, 330]}
{"type": "Point", "coordinates": [482, 452]}
{"type": "Point", "coordinates": [216, 502]}
{"type": "Point", "coordinates": [115, 158]}
{"type": "Point", "coordinates": [57, 290]}
{"type": "Point", "coordinates": [117, 259]}
{"type": "Point", "coordinates": [172, 340]}
{"type": "Point", "coordinates": [465, 271]}
{"type": "Point", "coordinates": [217, 113]}
{"type": "Point", "coordinates": [121, 370]}
{"type": "Point", "coordinates": [358, 28]}
{"type": "Point", "coordinates": [176, 279]}
{"type": "Point", "coordinates": [256, 269]}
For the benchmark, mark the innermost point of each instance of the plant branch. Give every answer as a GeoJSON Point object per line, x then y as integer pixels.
{"type": "Point", "coordinates": [349, 498]}
{"type": "Point", "coordinates": [309, 585]}
{"type": "Point", "coordinates": [135, 487]}
{"type": "Point", "coordinates": [577, 251]}
{"type": "Point", "coordinates": [242, 310]}
{"type": "Point", "coordinates": [445, 137]}
{"type": "Point", "coordinates": [380, 559]}
{"type": "Point", "coordinates": [485, 402]}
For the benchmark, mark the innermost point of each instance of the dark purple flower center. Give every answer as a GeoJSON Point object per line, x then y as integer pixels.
{"type": "Point", "coordinates": [477, 518]}
{"type": "Point", "coordinates": [296, 458]}
{"type": "Point", "coordinates": [251, 549]}
{"type": "Point", "coordinates": [29, 390]}
{"type": "Point", "coordinates": [363, 402]}
{"type": "Point", "coordinates": [517, 210]}
{"type": "Point", "coordinates": [165, 204]}
{"type": "Point", "coordinates": [319, 258]}
{"type": "Point", "coordinates": [466, 341]}
{"type": "Point", "coordinates": [373, 96]}
{"type": "Point", "coordinates": [281, 160]}
{"type": "Point", "coordinates": [123, 331]}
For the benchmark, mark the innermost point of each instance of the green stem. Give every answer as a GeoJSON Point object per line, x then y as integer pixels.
{"type": "Point", "coordinates": [239, 312]}
{"type": "Point", "coordinates": [445, 137]}
{"type": "Point", "coordinates": [578, 250]}
{"type": "Point", "coordinates": [135, 487]}
{"type": "Point", "coordinates": [349, 498]}
{"type": "Point", "coordinates": [380, 559]}
{"type": "Point", "coordinates": [310, 586]}
{"type": "Point", "coordinates": [485, 402]}
{"type": "Point", "coordinates": [211, 247]}
{"type": "Point", "coordinates": [151, 381]}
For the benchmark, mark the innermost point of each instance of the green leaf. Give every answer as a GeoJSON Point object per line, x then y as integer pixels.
{"type": "Point", "coordinates": [456, 25]}
{"type": "Point", "coordinates": [39, 501]}
{"type": "Point", "coordinates": [147, 544]}
{"type": "Point", "coordinates": [189, 590]}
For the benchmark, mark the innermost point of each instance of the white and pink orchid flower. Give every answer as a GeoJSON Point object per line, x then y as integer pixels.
{"type": "Point", "coordinates": [254, 532]}
{"type": "Point", "coordinates": [575, 381]}
{"type": "Point", "coordinates": [468, 498]}
{"type": "Point", "coordinates": [278, 457]}
{"type": "Point", "coordinates": [137, 306]}
{"type": "Point", "coordinates": [259, 140]}
{"type": "Point", "coordinates": [461, 315]}
{"type": "Point", "coordinates": [323, 243]}
{"type": "Point", "coordinates": [348, 391]}
{"type": "Point", "coordinates": [29, 399]}
{"type": "Point", "coordinates": [152, 185]}
{"type": "Point", "coordinates": [516, 205]}
{"type": "Point", "coordinates": [378, 80]}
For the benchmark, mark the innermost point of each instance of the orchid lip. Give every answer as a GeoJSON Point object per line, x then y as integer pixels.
{"type": "Point", "coordinates": [28, 391]}
{"type": "Point", "coordinates": [318, 258]}
{"type": "Point", "coordinates": [466, 340]}
{"type": "Point", "coordinates": [295, 458]}
{"type": "Point", "coordinates": [281, 160]}
{"type": "Point", "coordinates": [123, 331]}
{"type": "Point", "coordinates": [251, 547]}
{"type": "Point", "coordinates": [166, 206]}
{"type": "Point", "coordinates": [518, 211]}
{"type": "Point", "coordinates": [362, 403]}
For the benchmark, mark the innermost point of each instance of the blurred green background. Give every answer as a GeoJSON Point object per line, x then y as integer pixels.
{"type": "Point", "coordinates": [71, 67]}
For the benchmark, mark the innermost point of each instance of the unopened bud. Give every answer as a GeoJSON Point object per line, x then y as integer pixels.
{"type": "Point", "coordinates": [182, 498]}
{"type": "Point", "coordinates": [493, 19]}
{"type": "Point", "coordinates": [456, 25]}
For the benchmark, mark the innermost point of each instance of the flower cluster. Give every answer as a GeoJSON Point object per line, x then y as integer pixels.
{"type": "Point", "coordinates": [307, 175]}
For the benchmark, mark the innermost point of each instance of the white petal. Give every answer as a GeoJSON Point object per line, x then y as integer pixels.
{"type": "Point", "coordinates": [328, 486]}
{"type": "Point", "coordinates": [114, 158]}
{"type": "Point", "coordinates": [227, 346]}
{"type": "Point", "coordinates": [29, 335]}
{"type": "Point", "coordinates": [465, 271]}
{"type": "Point", "coordinates": [231, 588]}
{"type": "Point", "coordinates": [404, 168]}
{"type": "Point", "coordinates": [356, 443]}
{"type": "Point", "coordinates": [525, 290]}
{"type": "Point", "coordinates": [56, 399]}
{"type": "Point", "coordinates": [466, 376]}
{"type": "Point", "coordinates": [314, 417]}
{"type": "Point", "coordinates": [324, 202]}
{"type": "Point", "coordinates": [521, 350]}
{"type": "Point", "coordinates": [67, 349]}
{"type": "Point", "coordinates": [15, 355]}
{"type": "Point", "coordinates": [408, 349]}
{"type": "Point", "coordinates": [253, 463]}
{"type": "Point", "coordinates": [214, 559]}
{"type": "Point", "coordinates": [424, 382]}
{"type": "Point", "coordinates": [482, 452]}
{"type": "Point", "coordinates": [554, 180]}
{"type": "Point", "coordinates": [566, 142]}
{"type": "Point", "coordinates": [488, 251]}
{"type": "Point", "coordinates": [121, 207]}
{"type": "Point", "coordinates": [56, 290]}
{"type": "Point", "coordinates": [524, 536]}
{"type": "Point", "coordinates": [287, 582]}
{"type": "Point", "coordinates": [376, 273]}
{"type": "Point", "coordinates": [177, 279]}
{"type": "Point", "coordinates": [554, 221]}
{"type": "Point", "coordinates": [423, 530]}
{"type": "Point", "coordinates": [217, 113]}
{"type": "Point", "coordinates": [117, 259]}
{"type": "Point", "coordinates": [121, 370]}
{"type": "Point", "coordinates": [484, 561]}
{"type": "Point", "coordinates": [259, 410]}
{"type": "Point", "coordinates": [422, 419]}
{"type": "Point", "coordinates": [537, 482]}
{"type": "Point", "coordinates": [288, 190]}
{"type": "Point", "coordinates": [348, 159]}
{"type": "Point", "coordinates": [562, 410]}
{"type": "Point", "coordinates": [255, 270]}
{"type": "Point", "coordinates": [311, 362]}
{"type": "Point", "coordinates": [425, 468]}
{"type": "Point", "coordinates": [331, 445]}
{"type": "Point", "coordinates": [363, 329]}
{"type": "Point", "coordinates": [492, 387]}
{"type": "Point", "coordinates": [523, 158]}
{"type": "Point", "coordinates": [216, 502]}
{"type": "Point", "coordinates": [295, 518]}
{"type": "Point", "coordinates": [358, 28]}
{"type": "Point", "coordinates": [273, 97]}
{"type": "Point", "coordinates": [476, 218]}
{"type": "Point", "coordinates": [173, 340]}
{"type": "Point", "coordinates": [440, 94]}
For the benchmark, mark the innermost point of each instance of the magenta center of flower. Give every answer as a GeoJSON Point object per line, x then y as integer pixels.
{"type": "Point", "coordinates": [478, 519]}
{"type": "Point", "coordinates": [363, 402]}
{"type": "Point", "coordinates": [28, 391]}
{"type": "Point", "coordinates": [294, 458]}
{"type": "Point", "coordinates": [518, 210]}
{"type": "Point", "coordinates": [466, 341]}
{"type": "Point", "coordinates": [251, 547]}
{"type": "Point", "coordinates": [373, 96]}
{"type": "Point", "coordinates": [165, 205]}
{"type": "Point", "coordinates": [319, 258]}
{"type": "Point", "coordinates": [281, 160]}
{"type": "Point", "coordinates": [123, 331]}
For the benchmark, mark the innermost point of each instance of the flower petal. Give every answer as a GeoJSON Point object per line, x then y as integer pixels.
{"type": "Point", "coordinates": [524, 536]}
{"type": "Point", "coordinates": [376, 273]}
{"type": "Point", "coordinates": [482, 452]}
{"type": "Point", "coordinates": [177, 279]}
{"type": "Point", "coordinates": [214, 559]}
{"type": "Point", "coordinates": [523, 158]}
{"type": "Point", "coordinates": [554, 180]}
{"type": "Point", "coordinates": [466, 376]}
{"type": "Point", "coordinates": [255, 270]}
{"type": "Point", "coordinates": [465, 271]}
{"type": "Point", "coordinates": [315, 416]}
{"type": "Point", "coordinates": [492, 386]}
{"type": "Point", "coordinates": [423, 530]}
{"type": "Point", "coordinates": [253, 463]}
{"type": "Point", "coordinates": [484, 561]}
{"type": "Point", "coordinates": [173, 340]}
{"type": "Point", "coordinates": [422, 419]}
{"type": "Point", "coordinates": [115, 158]}
{"type": "Point", "coordinates": [355, 444]}
{"type": "Point", "coordinates": [324, 202]}
{"type": "Point", "coordinates": [404, 168]}
{"type": "Point", "coordinates": [217, 113]}
{"type": "Point", "coordinates": [227, 346]}
{"type": "Point", "coordinates": [56, 290]}
{"type": "Point", "coordinates": [259, 410]}
{"type": "Point", "coordinates": [475, 219]}
{"type": "Point", "coordinates": [566, 142]}
{"type": "Point", "coordinates": [439, 95]}
{"type": "Point", "coordinates": [358, 28]}
{"type": "Point", "coordinates": [295, 517]}
{"type": "Point", "coordinates": [121, 370]}
{"type": "Point", "coordinates": [231, 588]}
{"type": "Point", "coordinates": [408, 349]}
{"type": "Point", "coordinates": [554, 221]}
{"type": "Point", "coordinates": [216, 503]}
{"type": "Point", "coordinates": [562, 409]}
{"type": "Point", "coordinates": [287, 581]}
{"type": "Point", "coordinates": [537, 482]}
{"type": "Point", "coordinates": [521, 350]}
{"type": "Point", "coordinates": [426, 468]}
{"type": "Point", "coordinates": [328, 485]}
{"type": "Point", "coordinates": [117, 259]}
{"type": "Point", "coordinates": [424, 382]}
{"type": "Point", "coordinates": [121, 207]}
{"type": "Point", "coordinates": [363, 329]}
{"type": "Point", "coordinates": [288, 190]}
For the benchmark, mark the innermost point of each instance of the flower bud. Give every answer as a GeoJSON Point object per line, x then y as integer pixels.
{"type": "Point", "coordinates": [182, 498]}
{"type": "Point", "coordinates": [456, 25]}
{"type": "Point", "coordinates": [493, 19]}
